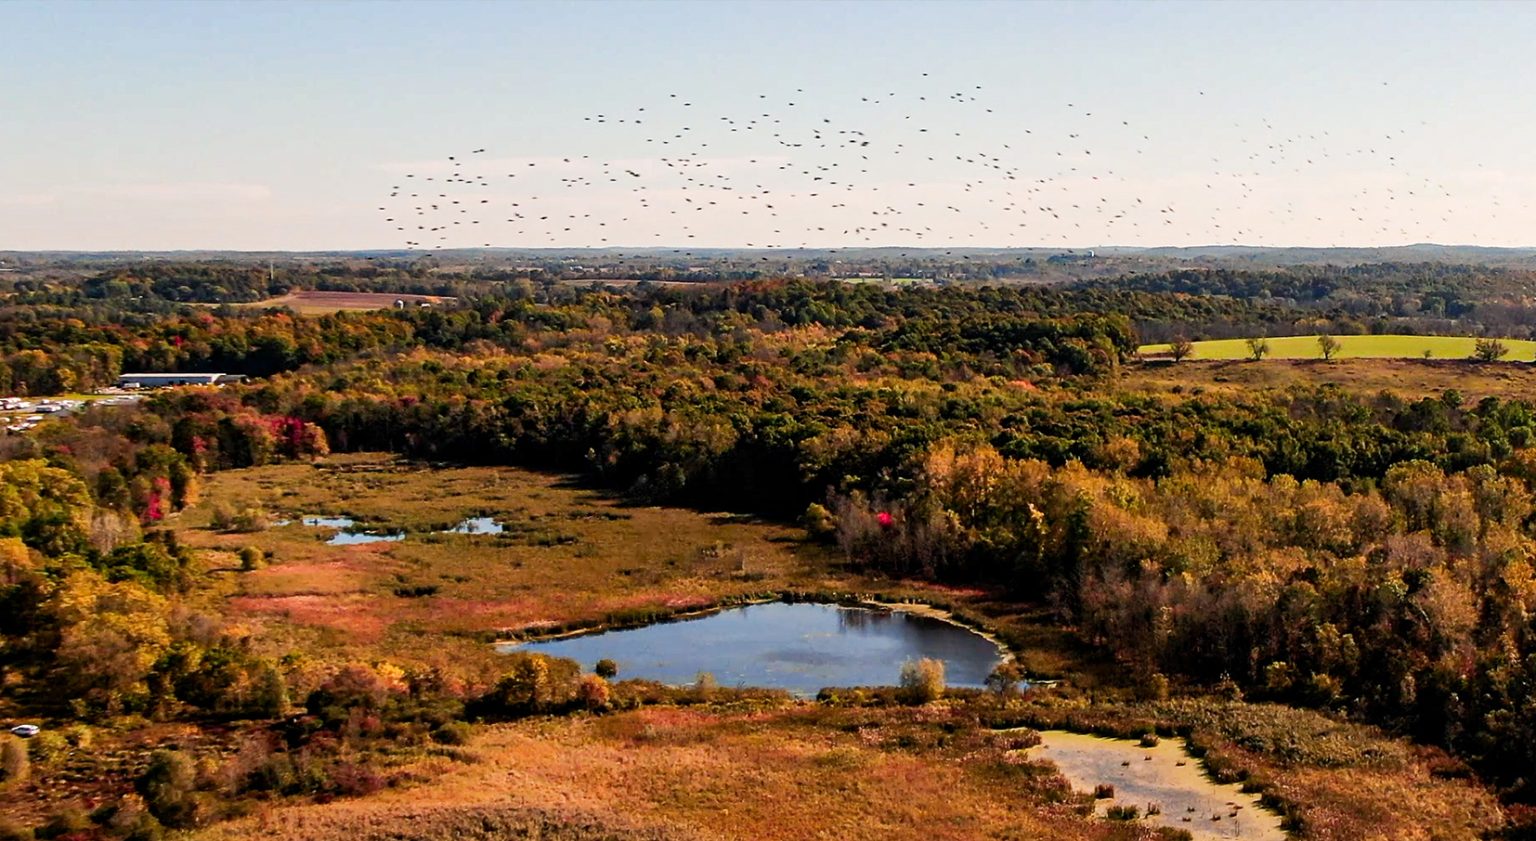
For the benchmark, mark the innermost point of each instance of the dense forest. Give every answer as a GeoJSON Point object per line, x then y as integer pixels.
{"type": "Point", "coordinates": [1370, 554]}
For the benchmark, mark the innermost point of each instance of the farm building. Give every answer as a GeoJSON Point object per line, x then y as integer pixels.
{"type": "Point", "coordinates": [163, 380]}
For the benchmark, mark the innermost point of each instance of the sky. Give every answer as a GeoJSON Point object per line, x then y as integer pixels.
{"type": "Point", "coordinates": [315, 126]}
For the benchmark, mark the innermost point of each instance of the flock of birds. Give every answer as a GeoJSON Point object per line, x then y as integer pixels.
{"type": "Point", "coordinates": [926, 166]}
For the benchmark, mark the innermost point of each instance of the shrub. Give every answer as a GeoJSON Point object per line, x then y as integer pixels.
{"type": "Point", "coordinates": [167, 787]}
{"type": "Point", "coordinates": [922, 680]}
{"type": "Point", "coordinates": [1006, 677]}
{"type": "Point", "coordinates": [704, 686]}
{"type": "Point", "coordinates": [251, 520]}
{"type": "Point", "coordinates": [1149, 740]}
{"type": "Point", "coordinates": [818, 521]}
{"type": "Point", "coordinates": [356, 779]}
{"type": "Point", "coordinates": [14, 761]}
{"type": "Point", "coordinates": [594, 693]}
{"type": "Point", "coordinates": [270, 698]}
{"type": "Point", "coordinates": [1122, 813]}
{"type": "Point", "coordinates": [1103, 791]}
{"type": "Point", "coordinates": [606, 668]}
{"type": "Point", "coordinates": [252, 558]}
{"type": "Point", "coordinates": [47, 746]}
{"type": "Point", "coordinates": [68, 820]}
{"type": "Point", "coordinates": [452, 733]}
{"type": "Point", "coordinates": [221, 518]}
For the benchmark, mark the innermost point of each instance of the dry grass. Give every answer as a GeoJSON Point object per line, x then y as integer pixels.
{"type": "Point", "coordinates": [790, 773]}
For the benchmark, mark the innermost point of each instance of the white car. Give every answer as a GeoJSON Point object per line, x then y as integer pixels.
{"type": "Point", "coordinates": [26, 731]}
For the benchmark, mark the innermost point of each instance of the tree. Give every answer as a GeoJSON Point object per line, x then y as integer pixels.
{"type": "Point", "coordinates": [1489, 350]}
{"type": "Point", "coordinates": [1258, 348]}
{"type": "Point", "coordinates": [1329, 346]}
{"type": "Point", "coordinates": [922, 680]}
{"type": "Point", "coordinates": [1180, 348]}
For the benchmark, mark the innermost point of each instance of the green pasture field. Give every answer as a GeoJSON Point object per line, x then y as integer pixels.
{"type": "Point", "coordinates": [1372, 347]}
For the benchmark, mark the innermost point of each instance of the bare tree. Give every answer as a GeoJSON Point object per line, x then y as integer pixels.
{"type": "Point", "coordinates": [1180, 348]}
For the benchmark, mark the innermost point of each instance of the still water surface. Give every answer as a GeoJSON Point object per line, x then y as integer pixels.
{"type": "Point", "coordinates": [798, 647]}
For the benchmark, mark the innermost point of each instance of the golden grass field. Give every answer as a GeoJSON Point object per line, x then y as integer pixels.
{"type": "Point", "coordinates": [320, 302]}
{"type": "Point", "coordinates": [798, 770]}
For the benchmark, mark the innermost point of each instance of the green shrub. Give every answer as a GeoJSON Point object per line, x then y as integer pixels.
{"type": "Point", "coordinates": [452, 733]}
{"type": "Point", "coordinates": [167, 786]}
{"type": "Point", "coordinates": [606, 669]}
{"type": "Point", "coordinates": [1122, 813]}
{"type": "Point", "coordinates": [251, 519]}
{"type": "Point", "coordinates": [252, 558]}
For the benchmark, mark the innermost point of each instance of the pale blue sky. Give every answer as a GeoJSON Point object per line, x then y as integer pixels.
{"type": "Point", "coordinates": [146, 125]}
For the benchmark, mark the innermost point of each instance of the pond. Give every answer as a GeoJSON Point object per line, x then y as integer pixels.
{"type": "Point", "coordinates": [1163, 774]}
{"type": "Point", "coordinates": [477, 525]}
{"type": "Point", "coordinates": [350, 538]}
{"type": "Point", "coordinates": [328, 522]}
{"type": "Point", "coordinates": [798, 647]}
{"type": "Point", "coordinates": [347, 534]}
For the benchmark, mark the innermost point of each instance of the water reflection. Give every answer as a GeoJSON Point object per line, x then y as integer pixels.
{"type": "Point", "coordinates": [350, 538]}
{"type": "Point", "coordinates": [798, 647]}
{"type": "Point", "coordinates": [477, 525]}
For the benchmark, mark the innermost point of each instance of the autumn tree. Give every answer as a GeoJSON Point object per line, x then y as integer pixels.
{"type": "Point", "coordinates": [1180, 348]}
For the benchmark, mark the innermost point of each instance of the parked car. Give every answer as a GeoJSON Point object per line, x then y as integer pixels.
{"type": "Point", "coordinates": [26, 731]}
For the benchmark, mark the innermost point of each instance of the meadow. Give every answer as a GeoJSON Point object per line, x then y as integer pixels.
{"type": "Point", "coordinates": [955, 769]}
{"type": "Point", "coordinates": [1352, 347]}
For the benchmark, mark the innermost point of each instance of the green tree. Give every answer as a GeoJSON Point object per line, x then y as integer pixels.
{"type": "Point", "coordinates": [1258, 348]}
{"type": "Point", "coordinates": [1328, 346]}
{"type": "Point", "coordinates": [1489, 350]}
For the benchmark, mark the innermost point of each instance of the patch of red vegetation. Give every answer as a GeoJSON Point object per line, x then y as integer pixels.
{"type": "Point", "coordinates": [352, 615]}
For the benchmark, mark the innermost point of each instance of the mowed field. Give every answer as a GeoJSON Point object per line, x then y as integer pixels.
{"type": "Point", "coordinates": [316, 302]}
{"type": "Point", "coordinates": [1373, 347]}
{"type": "Point", "coordinates": [1407, 377]}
